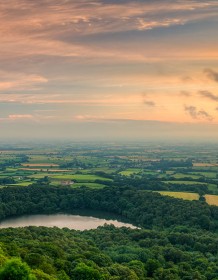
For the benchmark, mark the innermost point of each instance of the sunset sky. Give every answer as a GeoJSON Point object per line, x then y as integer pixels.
{"type": "Point", "coordinates": [109, 69]}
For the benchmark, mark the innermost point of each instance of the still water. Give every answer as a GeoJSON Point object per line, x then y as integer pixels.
{"type": "Point", "coordinates": [77, 222]}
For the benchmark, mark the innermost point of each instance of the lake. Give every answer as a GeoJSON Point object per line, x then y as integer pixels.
{"type": "Point", "coordinates": [76, 222]}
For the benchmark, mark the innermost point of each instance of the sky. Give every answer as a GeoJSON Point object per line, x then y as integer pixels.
{"type": "Point", "coordinates": [106, 69]}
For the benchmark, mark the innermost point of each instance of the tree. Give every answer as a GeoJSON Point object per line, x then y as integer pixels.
{"type": "Point", "coordinates": [84, 272]}
{"type": "Point", "coordinates": [15, 269]}
{"type": "Point", "coordinates": [151, 266]}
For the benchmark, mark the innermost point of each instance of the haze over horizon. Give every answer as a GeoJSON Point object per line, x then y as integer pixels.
{"type": "Point", "coordinates": [109, 69]}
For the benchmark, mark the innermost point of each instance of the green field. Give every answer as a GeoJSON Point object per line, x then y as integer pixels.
{"type": "Point", "coordinates": [80, 178]}
{"type": "Point", "coordinates": [83, 164]}
{"type": "Point", "coordinates": [207, 174]}
{"type": "Point", "coordinates": [185, 182]}
{"type": "Point", "coordinates": [22, 184]}
{"type": "Point", "coordinates": [129, 172]}
{"type": "Point", "coordinates": [89, 185]}
{"type": "Point", "coordinates": [181, 175]}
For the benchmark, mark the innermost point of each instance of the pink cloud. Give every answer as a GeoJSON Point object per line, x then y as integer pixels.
{"type": "Point", "coordinates": [18, 117]}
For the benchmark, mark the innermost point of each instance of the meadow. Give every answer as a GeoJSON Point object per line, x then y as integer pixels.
{"type": "Point", "coordinates": [212, 199]}
{"type": "Point", "coordinates": [183, 195]}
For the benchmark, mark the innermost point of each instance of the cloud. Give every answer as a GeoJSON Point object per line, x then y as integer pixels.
{"type": "Point", "coordinates": [209, 95]}
{"type": "Point", "coordinates": [150, 103]}
{"type": "Point", "coordinates": [36, 36]}
{"type": "Point", "coordinates": [97, 56]}
{"type": "Point", "coordinates": [185, 93]}
{"type": "Point", "coordinates": [147, 25]}
{"type": "Point", "coordinates": [56, 27]}
{"type": "Point", "coordinates": [197, 114]}
{"type": "Point", "coordinates": [87, 17]}
{"type": "Point", "coordinates": [192, 111]}
{"type": "Point", "coordinates": [211, 74]}
{"type": "Point", "coordinates": [18, 117]}
{"type": "Point", "coordinates": [20, 81]}
{"type": "Point", "coordinates": [186, 79]}
{"type": "Point", "coordinates": [204, 114]}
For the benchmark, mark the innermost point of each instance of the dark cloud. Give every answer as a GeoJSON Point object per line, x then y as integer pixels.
{"type": "Point", "coordinates": [192, 110]}
{"type": "Point", "coordinates": [150, 103]}
{"type": "Point", "coordinates": [205, 115]}
{"type": "Point", "coordinates": [209, 95]}
{"type": "Point", "coordinates": [213, 75]}
{"type": "Point", "coordinates": [198, 114]}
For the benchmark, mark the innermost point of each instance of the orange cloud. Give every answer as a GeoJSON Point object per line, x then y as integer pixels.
{"type": "Point", "coordinates": [20, 81]}
{"type": "Point", "coordinates": [18, 117]}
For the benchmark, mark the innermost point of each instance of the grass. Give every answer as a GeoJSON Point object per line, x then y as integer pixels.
{"type": "Point", "coordinates": [40, 165]}
{"type": "Point", "coordinates": [41, 175]}
{"type": "Point", "coordinates": [200, 164]}
{"type": "Point", "coordinates": [211, 199]}
{"type": "Point", "coordinates": [181, 175]}
{"type": "Point", "coordinates": [44, 170]}
{"type": "Point", "coordinates": [80, 178]}
{"type": "Point", "coordinates": [152, 173]}
{"type": "Point", "coordinates": [89, 185]}
{"type": "Point", "coordinates": [212, 187]}
{"type": "Point", "coordinates": [129, 172]}
{"type": "Point", "coordinates": [103, 169]}
{"type": "Point", "coordinates": [22, 184]}
{"type": "Point", "coordinates": [183, 195]}
{"type": "Point", "coordinates": [185, 182]}
{"type": "Point", "coordinates": [206, 174]}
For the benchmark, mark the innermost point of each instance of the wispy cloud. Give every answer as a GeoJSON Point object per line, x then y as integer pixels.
{"type": "Point", "coordinates": [198, 114]}
{"type": "Point", "coordinates": [213, 75]}
{"type": "Point", "coordinates": [37, 18]}
{"type": "Point", "coordinates": [20, 81]}
{"type": "Point", "coordinates": [209, 95]}
{"type": "Point", "coordinates": [147, 25]}
{"type": "Point", "coordinates": [54, 28]}
{"type": "Point", "coordinates": [185, 93]}
{"type": "Point", "coordinates": [150, 103]}
{"type": "Point", "coordinates": [15, 118]}
{"type": "Point", "coordinates": [18, 117]}
{"type": "Point", "coordinates": [205, 115]}
{"type": "Point", "coordinates": [95, 58]}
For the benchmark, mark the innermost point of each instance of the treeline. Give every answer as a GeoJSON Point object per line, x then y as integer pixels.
{"type": "Point", "coordinates": [152, 183]}
{"type": "Point", "coordinates": [143, 208]}
{"type": "Point", "coordinates": [75, 163]}
{"type": "Point", "coordinates": [7, 180]}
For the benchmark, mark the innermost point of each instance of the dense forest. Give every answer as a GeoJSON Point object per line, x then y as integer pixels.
{"type": "Point", "coordinates": [143, 208]}
{"type": "Point", "coordinates": [177, 239]}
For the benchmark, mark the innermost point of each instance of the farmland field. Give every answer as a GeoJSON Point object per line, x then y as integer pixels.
{"type": "Point", "coordinates": [179, 169]}
{"type": "Point", "coordinates": [129, 172]}
{"type": "Point", "coordinates": [79, 177]}
{"type": "Point", "coordinates": [183, 195]}
{"type": "Point", "coordinates": [185, 182]}
{"type": "Point", "coordinates": [212, 199]}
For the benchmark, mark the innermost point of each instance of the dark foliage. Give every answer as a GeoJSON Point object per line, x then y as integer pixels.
{"type": "Point", "coordinates": [177, 240]}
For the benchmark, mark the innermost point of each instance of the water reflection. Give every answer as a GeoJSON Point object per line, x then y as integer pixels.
{"type": "Point", "coordinates": [77, 222]}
